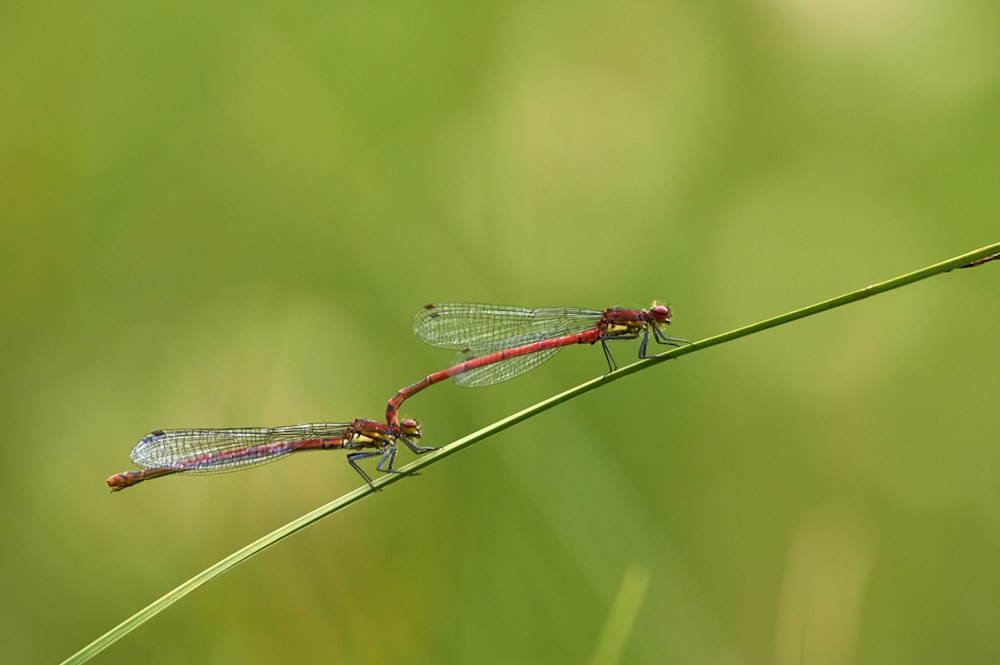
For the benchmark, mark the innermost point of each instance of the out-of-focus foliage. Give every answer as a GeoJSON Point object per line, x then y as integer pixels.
{"type": "Point", "coordinates": [222, 215]}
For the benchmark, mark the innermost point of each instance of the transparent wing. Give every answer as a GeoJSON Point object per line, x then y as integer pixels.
{"type": "Point", "coordinates": [484, 328]}
{"type": "Point", "coordinates": [198, 451]}
{"type": "Point", "coordinates": [503, 370]}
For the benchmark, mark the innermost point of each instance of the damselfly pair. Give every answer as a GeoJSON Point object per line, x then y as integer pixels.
{"type": "Point", "coordinates": [495, 343]}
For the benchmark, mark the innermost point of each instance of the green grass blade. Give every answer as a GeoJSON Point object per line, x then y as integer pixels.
{"type": "Point", "coordinates": [970, 259]}
{"type": "Point", "coordinates": [624, 611]}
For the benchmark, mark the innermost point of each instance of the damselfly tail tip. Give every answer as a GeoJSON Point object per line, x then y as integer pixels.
{"type": "Point", "coordinates": [117, 482]}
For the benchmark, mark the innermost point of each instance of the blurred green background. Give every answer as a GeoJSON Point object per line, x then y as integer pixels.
{"type": "Point", "coordinates": [226, 214]}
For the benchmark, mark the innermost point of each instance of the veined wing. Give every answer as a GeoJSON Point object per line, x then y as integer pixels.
{"type": "Point", "coordinates": [503, 370]}
{"type": "Point", "coordinates": [218, 450]}
{"type": "Point", "coordinates": [485, 328]}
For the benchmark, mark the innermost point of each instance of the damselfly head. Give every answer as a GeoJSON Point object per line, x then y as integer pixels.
{"type": "Point", "coordinates": [661, 313]}
{"type": "Point", "coordinates": [410, 427]}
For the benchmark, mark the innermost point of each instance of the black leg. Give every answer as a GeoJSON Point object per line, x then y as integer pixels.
{"type": "Point", "coordinates": [390, 457]}
{"type": "Point", "coordinates": [642, 344]}
{"type": "Point", "coordinates": [353, 460]}
{"type": "Point", "coordinates": [661, 338]}
{"type": "Point", "coordinates": [612, 365]}
{"type": "Point", "coordinates": [420, 450]}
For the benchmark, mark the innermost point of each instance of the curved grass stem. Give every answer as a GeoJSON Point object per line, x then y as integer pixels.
{"type": "Point", "coordinates": [969, 259]}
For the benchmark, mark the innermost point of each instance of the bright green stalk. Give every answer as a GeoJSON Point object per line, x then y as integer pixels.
{"type": "Point", "coordinates": [976, 257]}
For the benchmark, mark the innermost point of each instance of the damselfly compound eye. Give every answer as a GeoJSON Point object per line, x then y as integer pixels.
{"type": "Point", "coordinates": [661, 313]}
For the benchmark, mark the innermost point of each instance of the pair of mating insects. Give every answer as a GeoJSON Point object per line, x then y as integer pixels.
{"type": "Point", "coordinates": [495, 342]}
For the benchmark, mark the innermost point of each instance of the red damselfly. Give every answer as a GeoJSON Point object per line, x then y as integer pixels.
{"type": "Point", "coordinates": [497, 342]}
{"type": "Point", "coordinates": [203, 451]}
